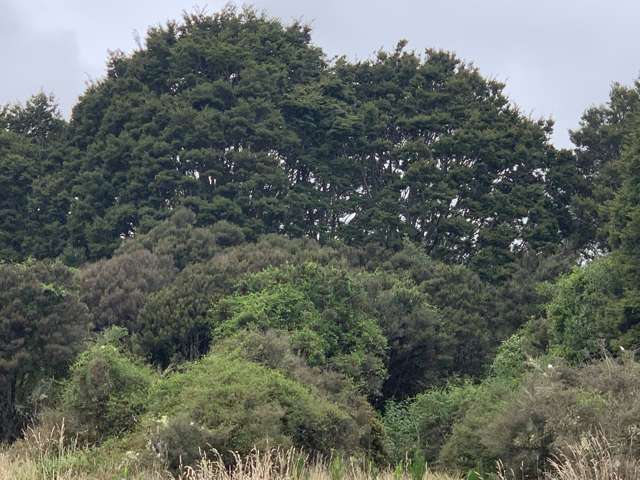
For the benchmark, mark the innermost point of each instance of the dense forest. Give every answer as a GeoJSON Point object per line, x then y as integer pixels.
{"type": "Point", "coordinates": [237, 243]}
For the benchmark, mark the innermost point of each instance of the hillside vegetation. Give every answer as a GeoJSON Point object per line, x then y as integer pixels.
{"type": "Point", "coordinates": [240, 259]}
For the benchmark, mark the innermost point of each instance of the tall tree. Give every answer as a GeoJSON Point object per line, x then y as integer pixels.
{"type": "Point", "coordinates": [42, 325]}
{"type": "Point", "coordinates": [191, 119]}
{"type": "Point", "coordinates": [33, 153]}
{"type": "Point", "coordinates": [600, 141]}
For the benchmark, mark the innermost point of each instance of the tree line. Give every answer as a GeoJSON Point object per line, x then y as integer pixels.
{"type": "Point", "coordinates": [378, 257]}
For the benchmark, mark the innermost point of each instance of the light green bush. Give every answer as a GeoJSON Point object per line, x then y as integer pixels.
{"type": "Point", "coordinates": [235, 405]}
{"type": "Point", "coordinates": [106, 393]}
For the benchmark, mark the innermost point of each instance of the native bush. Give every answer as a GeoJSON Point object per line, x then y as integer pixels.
{"type": "Point", "coordinates": [236, 405]}
{"type": "Point", "coordinates": [322, 308]}
{"type": "Point", "coordinates": [107, 390]}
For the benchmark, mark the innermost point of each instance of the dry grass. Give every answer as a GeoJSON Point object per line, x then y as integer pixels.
{"type": "Point", "coordinates": [594, 459]}
{"type": "Point", "coordinates": [291, 464]}
{"type": "Point", "coordinates": [47, 453]}
{"type": "Point", "coordinates": [61, 463]}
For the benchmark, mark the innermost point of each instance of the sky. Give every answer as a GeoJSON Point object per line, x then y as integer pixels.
{"type": "Point", "coordinates": [557, 57]}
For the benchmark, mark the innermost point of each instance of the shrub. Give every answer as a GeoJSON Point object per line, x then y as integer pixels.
{"type": "Point", "coordinates": [117, 289]}
{"type": "Point", "coordinates": [465, 446]}
{"type": "Point", "coordinates": [235, 405]}
{"type": "Point", "coordinates": [106, 393]}
{"type": "Point", "coordinates": [422, 425]}
{"type": "Point", "coordinates": [556, 406]}
{"type": "Point", "coordinates": [174, 324]}
{"type": "Point", "coordinates": [586, 312]}
{"type": "Point", "coordinates": [180, 238]}
{"type": "Point", "coordinates": [323, 309]}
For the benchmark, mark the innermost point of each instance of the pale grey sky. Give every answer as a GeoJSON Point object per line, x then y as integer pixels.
{"type": "Point", "coordinates": [557, 57]}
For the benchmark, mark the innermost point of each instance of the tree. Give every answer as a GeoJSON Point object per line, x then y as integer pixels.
{"type": "Point", "coordinates": [191, 119]}
{"type": "Point", "coordinates": [446, 160]}
{"type": "Point", "coordinates": [116, 290]}
{"type": "Point", "coordinates": [420, 348]}
{"type": "Point", "coordinates": [39, 119]}
{"type": "Point", "coordinates": [323, 310]}
{"type": "Point", "coordinates": [600, 141]}
{"type": "Point", "coordinates": [36, 170]}
{"type": "Point", "coordinates": [42, 325]}
{"type": "Point", "coordinates": [17, 172]}
{"type": "Point", "coordinates": [180, 238]}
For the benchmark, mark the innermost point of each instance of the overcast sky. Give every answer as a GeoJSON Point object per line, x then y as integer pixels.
{"type": "Point", "coordinates": [557, 57]}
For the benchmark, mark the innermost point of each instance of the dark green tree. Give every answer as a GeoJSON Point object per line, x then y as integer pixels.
{"type": "Point", "coordinates": [600, 140]}
{"type": "Point", "coordinates": [35, 193]}
{"type": "Point", "coordinates": [191, 119]}
{"type": "Point", "coordinates": [116, 290]}
{"type": "Point", "coordinates": [42, 325]}
{"type": "Point", "coordinates": [17, 172]}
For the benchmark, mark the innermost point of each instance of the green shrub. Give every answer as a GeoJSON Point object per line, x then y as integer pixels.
{"type": "Point", "coordinates": [323, 309]}
{"type": "Point", "coordinates": [236, 405]}
{"type": "Point", "coordinates": [421, 426]}
{"type": "Point", "coordinates": [586, 312]}
{"type": "Point", "coordinates": [106, 393]}
{"type": "Point", "coordinates": [555, 406]}
{"type": "Point", "coordinates": [173, 325]}
{"type": "Point", "coordinates": [465, 446]}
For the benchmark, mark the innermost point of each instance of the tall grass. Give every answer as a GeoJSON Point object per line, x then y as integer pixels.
{"type": "Point", "coordinates": [45, 456]}
{"type": "Point", "coordinates": [594, 458]}
{"type": "Point", "coordinates": [47, 453]}
{"type": "Point", "coordinates": [292, 464]}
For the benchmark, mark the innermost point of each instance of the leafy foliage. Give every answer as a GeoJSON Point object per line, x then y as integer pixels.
{"type": "Point", "coordinates": [115, 290]}
{"type": "Point", "coordinates": [322, 307]}
{"type": "Point", "coordinates": [106, 392]}
{"type": "Point", "coordinates": [553, 409]}
{"type": "Point", "coordinates": [586, 313]}
{"type": "Point", "coordinates": [42, 325]}
{"type": "Point", "coordinates": [236, 405]}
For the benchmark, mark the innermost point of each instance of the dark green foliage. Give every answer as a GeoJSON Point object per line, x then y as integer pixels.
{"type": "Point", "coordinates": [17, 171]}
{"type": "Point", "coordinates": [38, 119]}
{"type": "Point", "coordinates": [604, 131]}
{"type": "Point", "coordinates": [180, 238]}
{"type": "Point", "coordinates": [240, 118]}
{"type": "Point", "coordinates": [174, 324]}
{"type": "Point", "coordinates": [470, 329]}
{"type": "Point", "coordinates": [115, 290]}
{"type": "Point", "coordinates": [457, 172]}
{"type": "Point", "coordinates": [42, 327]}
{"type": "Point", "coordinates": [624, 210]}
{"type": "Point", "coordinates": [34, 197]}
{"type": "Point", "coordinates": [106, 392]}
{"type": "Point", "coordinates": [191, 119]}
{"type": "Point", "coordinates": [420, 345]}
